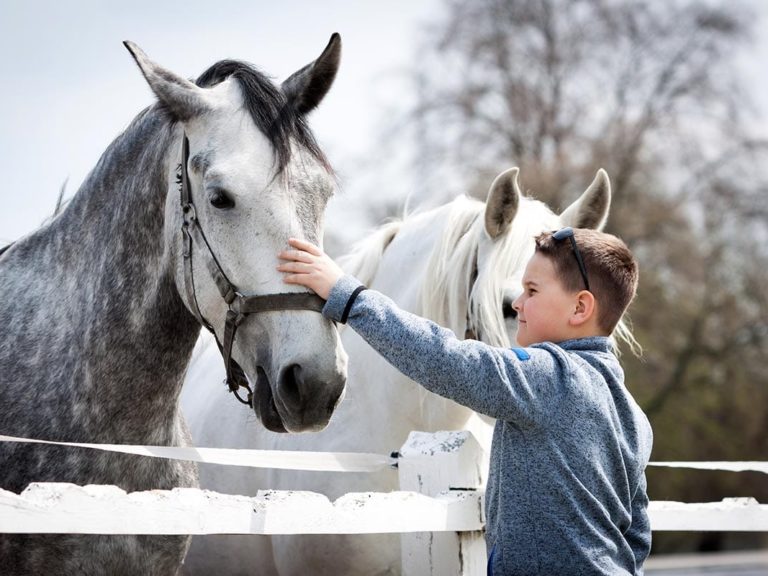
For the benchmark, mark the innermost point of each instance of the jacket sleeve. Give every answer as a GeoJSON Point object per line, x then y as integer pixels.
{"type": "Point", "coordinates": [513, 386]}
{"type": "Point", "coordinates": [639, 533]}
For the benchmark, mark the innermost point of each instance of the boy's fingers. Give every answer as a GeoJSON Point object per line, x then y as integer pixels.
{"type": "Point", "coordinates": [295, 255]}
{"type": "Point", "coordinates": [300, 279]}
{"type": "Point", "coordinates": [306, 246]}
{"type": "Point", "coordinates": [295, 267]}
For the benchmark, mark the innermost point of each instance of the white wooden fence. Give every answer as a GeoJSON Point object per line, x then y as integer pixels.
{"type": "Point", "coordinates": [438, 512]}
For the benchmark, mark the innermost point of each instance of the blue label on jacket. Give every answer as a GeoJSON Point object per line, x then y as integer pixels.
{"type": "Point", "coordinates": [521, 354]}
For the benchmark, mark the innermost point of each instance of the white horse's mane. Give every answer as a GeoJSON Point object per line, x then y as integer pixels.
{"type": "Point", "coordinates": [449, 275]}
{"type": "Point", "coordinates": [450, 291]}
{"type": "Point", "coordinates": [450, 295]}
{"type": "Point", "coordinates": [362, 261]}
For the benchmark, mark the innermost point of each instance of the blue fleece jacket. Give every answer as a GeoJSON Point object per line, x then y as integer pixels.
{"type": "Point", "coordinates": [566, 491]}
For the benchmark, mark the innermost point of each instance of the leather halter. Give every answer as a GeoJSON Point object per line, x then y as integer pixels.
{"type": "Point", "coordinates": [240, 306]}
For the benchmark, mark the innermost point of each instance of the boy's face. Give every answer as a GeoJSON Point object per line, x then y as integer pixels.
{"type": "Point", "coordinates": [544, 307]}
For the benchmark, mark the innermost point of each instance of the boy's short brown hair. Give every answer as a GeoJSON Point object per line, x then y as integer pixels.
{"type": "Point", "coordinates": [609, 264]}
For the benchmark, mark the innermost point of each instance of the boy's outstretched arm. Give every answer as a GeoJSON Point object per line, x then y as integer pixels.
{"type": "Point", "coordinates": [309, 266]}
{"type": "Point", "coordinates": [489, 380]}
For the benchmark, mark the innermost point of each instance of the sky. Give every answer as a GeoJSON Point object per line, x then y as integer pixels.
{"type": "Point", "coordinates": [70, 87]}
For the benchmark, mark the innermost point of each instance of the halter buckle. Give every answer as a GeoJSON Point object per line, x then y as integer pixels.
{"type": "Point", "coordinates": [231, 297]}
{"type": "Point", "coordinates": [235, 303]}
{"type": "Point", "coordinates": [188, 213]}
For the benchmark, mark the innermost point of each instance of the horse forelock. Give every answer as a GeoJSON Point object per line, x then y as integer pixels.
{"type": "Point", "coordinates": [270, 110]}
{"type": "Point", "coordinates": [507, 260]}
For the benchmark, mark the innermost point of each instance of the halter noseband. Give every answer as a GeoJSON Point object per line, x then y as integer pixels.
{"type": "Point", "coordinates": [239, 305]}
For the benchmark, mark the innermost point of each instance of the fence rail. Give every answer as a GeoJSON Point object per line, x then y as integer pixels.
{"type": "Point", "coordinates": [59, 508]}
{"type": "Point", "coordinates": [68, 508]}
{"type": "Point", "coordinates": [439, 511]}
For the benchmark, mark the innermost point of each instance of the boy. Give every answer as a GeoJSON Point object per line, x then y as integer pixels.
{"type": "Point", "coordinates": [566, 491]}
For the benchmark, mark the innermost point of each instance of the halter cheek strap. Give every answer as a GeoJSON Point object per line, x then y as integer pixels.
{"type": "Point", "coordinates": [239, 305]}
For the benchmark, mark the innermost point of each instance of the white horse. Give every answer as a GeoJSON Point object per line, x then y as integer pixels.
{"type": "Point", "coordinates": [461, 265]}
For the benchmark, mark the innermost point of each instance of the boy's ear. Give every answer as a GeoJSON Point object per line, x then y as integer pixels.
{"type": "Point", "coordinates": [586, 309]}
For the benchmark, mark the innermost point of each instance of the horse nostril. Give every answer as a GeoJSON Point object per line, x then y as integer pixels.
{"type": "Point", "coordinates": [508, 311]}
{"type": "Point", "coordinates": [289, 385]}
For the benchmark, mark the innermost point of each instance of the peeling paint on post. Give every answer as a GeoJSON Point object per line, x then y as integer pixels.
{"type": "Point", "coordinates": [434, 463]}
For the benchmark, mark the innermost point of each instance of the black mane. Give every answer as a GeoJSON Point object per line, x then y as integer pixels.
{"type": "Point", "coordinates": [270, 109]}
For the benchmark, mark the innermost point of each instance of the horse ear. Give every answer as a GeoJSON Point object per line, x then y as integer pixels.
{"type": "Point", "coordinates": [503, 200]}
{"type": "Point", "coordinates": [183, 98]}
{"type": "Point", "coordinates": [308, 86]}
{"type": "Point", "coordinates": [591, 209]}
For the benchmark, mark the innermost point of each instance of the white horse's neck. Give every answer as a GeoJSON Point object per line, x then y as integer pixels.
{"type": "Point", "coordinates": [402, 275]}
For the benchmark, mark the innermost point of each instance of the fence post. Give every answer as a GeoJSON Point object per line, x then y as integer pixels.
{"type": "Point", "coordinates": [431, 463]}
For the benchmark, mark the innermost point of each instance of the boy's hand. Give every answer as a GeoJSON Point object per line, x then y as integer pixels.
{"type": "Point", "coordinates": [309, 266]}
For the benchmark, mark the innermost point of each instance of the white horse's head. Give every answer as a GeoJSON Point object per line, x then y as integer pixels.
{"type": "Point", "coordinates": [476, 271]}
{"type": "Point", "coordinates": [257, 177]}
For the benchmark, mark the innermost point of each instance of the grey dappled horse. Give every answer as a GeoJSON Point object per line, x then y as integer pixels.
{"type": "Point", "coordinates": [101, 310]}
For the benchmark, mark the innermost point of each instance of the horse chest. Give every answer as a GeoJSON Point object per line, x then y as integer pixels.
{"type": "Point", "coordinates": [91, 555]}
{"type": "Point", "coordinates": [28, 463]}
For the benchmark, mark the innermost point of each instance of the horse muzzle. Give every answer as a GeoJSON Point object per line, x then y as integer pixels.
{"type": "Point", "coordinates": [299, 399]}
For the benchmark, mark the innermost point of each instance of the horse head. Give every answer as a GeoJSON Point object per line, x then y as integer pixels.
{"type": "Point", "coordinates": [477, 271]}
{"type": "Point", "coordinates": [511, 221]}
{"type": "Point", "coordinates": [255, 176]}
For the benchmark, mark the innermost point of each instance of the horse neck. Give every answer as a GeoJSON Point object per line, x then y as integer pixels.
{"type": "Point", "coordinates": [119, 327]}
{"type": "Point", "coordinates": [402, 276]}
{"type": "Point", "coordinates": [400, 270]}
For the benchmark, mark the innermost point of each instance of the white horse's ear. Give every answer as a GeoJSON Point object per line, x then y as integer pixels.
{"type": "Point", "coordinates": [183, 98]}
{"type": "Point", "coordinates": [308, 86]}
{"type": "Point", "coordinates": [591, 209]}
{"type": "Point", "coordinates": [503, 200]}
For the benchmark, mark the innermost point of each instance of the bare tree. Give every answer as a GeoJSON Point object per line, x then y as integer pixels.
{"type": "Point", "coordinates": [558, 86]}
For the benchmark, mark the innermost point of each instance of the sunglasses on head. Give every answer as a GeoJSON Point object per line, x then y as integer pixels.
{"type": "Point", "coordinates": [567, 232]}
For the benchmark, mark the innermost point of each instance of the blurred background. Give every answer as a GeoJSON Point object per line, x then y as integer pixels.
{"type": "Point", "coordinates": [436, 97]}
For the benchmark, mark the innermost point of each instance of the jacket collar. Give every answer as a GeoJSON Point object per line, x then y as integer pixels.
{"type": "Point", "coordinates": [593, 344]}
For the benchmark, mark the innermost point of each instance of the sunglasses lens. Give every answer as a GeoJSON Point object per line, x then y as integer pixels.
{"type": "Point", "coordinates": [563, 233]}
{"type": "Point", "coordinates": [567, 232]}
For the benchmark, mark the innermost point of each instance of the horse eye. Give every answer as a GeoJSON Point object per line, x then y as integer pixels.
{"type": "Point", "coordinates": [219, 199]}
{"type": "Point", "coordinates": [508, 311]}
